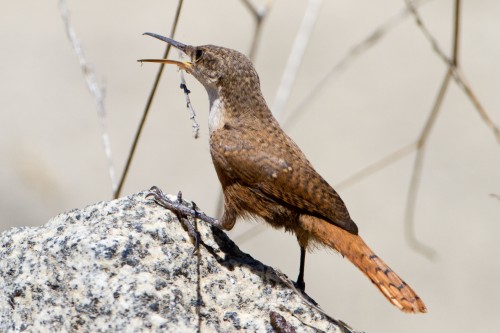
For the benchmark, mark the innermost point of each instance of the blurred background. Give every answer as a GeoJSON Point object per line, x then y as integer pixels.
{"type": "Point", "coordinates": [52, 158]}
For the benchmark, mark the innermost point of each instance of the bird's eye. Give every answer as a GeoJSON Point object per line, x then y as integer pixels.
{"type": "Point", "coordinates": [198, 54]}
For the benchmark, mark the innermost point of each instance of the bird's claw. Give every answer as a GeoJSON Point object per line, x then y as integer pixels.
{"type": "Point", "coordinates": [182, 214]}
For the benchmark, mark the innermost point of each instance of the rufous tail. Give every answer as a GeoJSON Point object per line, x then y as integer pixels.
{"type": "Point", "coordinates": [354, 248]}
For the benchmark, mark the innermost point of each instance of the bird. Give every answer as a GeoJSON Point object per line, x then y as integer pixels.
{"type": "Point", "coordinates": [265, 175]}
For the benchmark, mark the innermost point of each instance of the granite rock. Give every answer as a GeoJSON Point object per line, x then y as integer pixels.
{"type": "Point", "coordinates": [128, 266]}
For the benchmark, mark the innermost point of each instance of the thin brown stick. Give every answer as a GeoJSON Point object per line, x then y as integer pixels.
{"type": "Point", "coordinates": [353, 53]}
{"type": "Point", "coordinates": [148, 105]}
{"type": "Point", "coordinates": [417, 171]}
{"type": "Point", "coordinates": [462, 82]}
{"type": "Point", "coordinates": [425, 31]}
{"type": "Point", "coordinates": [452, 63]}
{"type": "Point", "coordinates": [251, 7]}
{"type": "Point", "coordinates": [259, 15]}
{"type": "Point", "coordinates": [455, 72]}
{"type": "Point", "coordinates": [456, 34]}
{"type": "Point", "coordinates": [422, 140]}
{"type": "Point", "coordinates": [256, 37]}
{"type": "Point", "coordinates": [376, 167]}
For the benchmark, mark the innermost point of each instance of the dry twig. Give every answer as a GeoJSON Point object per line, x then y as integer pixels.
{"type": "Point", "coordinates": [296, 55]}
{"type": "Point", "coordinates": [259, 14]}
{"type": "Point", "coordinates": [148, 104]}
{"type": "Point", "coordinates": [93, 85]}
{"type": "Point", "coordinates": [452, 62]}
{"type": "Point", "coordinates": [354, 52]}
{"type": "Point", "coordinates": [455, 72]}
{"type": "Point", "coordinates": [417, 171]}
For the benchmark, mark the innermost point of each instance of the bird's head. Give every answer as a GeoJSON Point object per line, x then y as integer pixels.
{"type": "Point", "coordinates": [213, 66]}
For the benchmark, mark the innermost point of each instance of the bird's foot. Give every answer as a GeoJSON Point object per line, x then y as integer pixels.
{"type": "Point", "coordinates": [183, 213]}
{"type": "Point", "coordinates": [300, 284]}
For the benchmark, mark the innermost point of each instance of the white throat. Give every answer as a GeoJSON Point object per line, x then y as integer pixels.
{"type": "Point", "coordinates": [216, 114]}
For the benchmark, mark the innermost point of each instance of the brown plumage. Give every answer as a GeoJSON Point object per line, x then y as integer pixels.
{"type": "Point", "coordinates": [264, 173]}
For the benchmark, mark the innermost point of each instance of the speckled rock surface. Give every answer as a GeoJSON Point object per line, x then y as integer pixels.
{"type": "Point", "coordinates": [127, 266]}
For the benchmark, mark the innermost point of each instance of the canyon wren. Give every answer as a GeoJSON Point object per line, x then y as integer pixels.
{"type": "Point", "coordinates": [264, 174]}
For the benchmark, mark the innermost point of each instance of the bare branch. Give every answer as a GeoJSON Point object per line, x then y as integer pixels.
{"type": "Point", "coordinates": [376, 167]}
{"type": "Point", "coordinates": [455, 72]}
{"type": "Point", "coordinates": [148, 104]}
{"type": "Point", "coordinates": [420, 23]}
{"type": "Point", "coordinates": [95, 89]}
{"type": "Point", "coordinates": [458, 75]}
{"type": "Point", "coordinates": [355, 51]}
{"type": "Point", "coordinates": [456, 33]}
{"type": "Point", "coordinates": [259, 14]}
{"type": "Point", "coordinates": [461, 80]}
{"type": "Point", "coordinates": [296, 55]}
{"type": "Point", "coordinates": [417, 170]}
{"type": "Point", "coordinates": [409, 225]}
{"type": "Point", "coordinates": [251, 8]}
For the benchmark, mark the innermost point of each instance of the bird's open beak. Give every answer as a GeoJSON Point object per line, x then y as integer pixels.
{"type": "Point", "coordinates": [181, 64]}
{"type": "Point", "coordinates": [186, 65]}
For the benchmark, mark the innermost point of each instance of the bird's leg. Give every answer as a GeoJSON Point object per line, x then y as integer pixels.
{"type": "Point", "coordinates": [190, 227]}
{"type": "Point", "coordinates": [182, 211]}
{"type": "Point", "coordinates": [300, 279]}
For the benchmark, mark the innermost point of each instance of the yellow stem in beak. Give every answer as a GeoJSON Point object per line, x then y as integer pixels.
{"type": "Point", "coordinates": [181, 64]}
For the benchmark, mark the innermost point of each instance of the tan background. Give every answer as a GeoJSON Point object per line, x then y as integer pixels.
{"type": "Point", "coordinates": [52, 159]}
